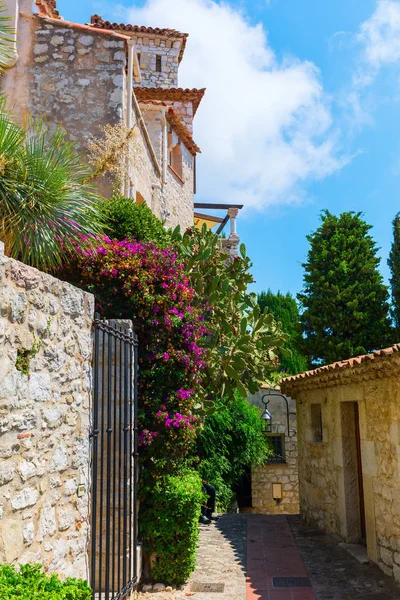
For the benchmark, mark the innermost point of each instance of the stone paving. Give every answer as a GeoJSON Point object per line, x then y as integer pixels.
{"type": "Point", "coordinates": [245, 552]}
{"type": "Point", "coordinates": [334, 574]}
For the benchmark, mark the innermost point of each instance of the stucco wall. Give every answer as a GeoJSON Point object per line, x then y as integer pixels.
{"type": "Point", "coordinates": [44, 420]}
{"type": "Point", "coordinates": [263, 477]}
{"type": "Point", "coordinates": [145, 170]}
{"type": "Point", "coordinates": [178, 196]}
{"type": "Point", "coordinates": [329, 493]}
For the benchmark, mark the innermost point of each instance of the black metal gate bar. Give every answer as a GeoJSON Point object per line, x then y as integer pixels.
{"type": "Point", "coordinates": [114, 459]}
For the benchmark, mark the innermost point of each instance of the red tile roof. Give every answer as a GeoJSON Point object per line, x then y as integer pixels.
{"type": "Point", "coordinates": [62, 23]}
{"type": "Point", "coordinates": [48, 8]}
{"type": "Point", "coordinates": [342, 365]}
{"type": "Point", "coordinates": [170, 94]}
{"type": "Point", "coordinates": [97, 21]}
{"type": "Point", "coordinates": [181, 130]}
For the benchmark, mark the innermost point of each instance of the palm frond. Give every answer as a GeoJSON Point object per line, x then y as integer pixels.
{"type": "Point", "coordinates": [45, 205]}
{"type": "Point", "coordinates": [7, 37]}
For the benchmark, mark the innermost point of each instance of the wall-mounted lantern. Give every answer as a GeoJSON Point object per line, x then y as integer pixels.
{"type": "Point", "coordinates": [266, 416]}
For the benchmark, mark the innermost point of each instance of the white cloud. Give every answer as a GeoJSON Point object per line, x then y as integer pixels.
{"type": "Point", "coordinates": [380, 35]}
{"type": "Point", "coordinates": [378, 39]}
{"type": "Point", "coordinates": [264, 126]}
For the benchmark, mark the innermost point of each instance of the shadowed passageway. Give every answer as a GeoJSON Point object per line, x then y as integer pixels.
{"type": "Point", "coordinates": [274, 557]}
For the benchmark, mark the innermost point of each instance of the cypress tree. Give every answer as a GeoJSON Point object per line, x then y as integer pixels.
{"type": "Point", "coordinates": [345, 309]}
{"type": "Point", "coordinates": [394, 265]}
{"type": "Point", "coordinates": [285, 311]}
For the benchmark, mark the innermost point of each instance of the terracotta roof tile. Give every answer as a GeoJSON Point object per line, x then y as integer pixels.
{"type": "Point", "coordinates": [343, 364]}
{"type": "Point", "coordinates": [61, 22]}
{"type": "Point", "coordinates": [180, 128]}
{"type": "Point", "coordinates": [97, 21]}
{"type": "Point", "coordinates": [155, 102]}
{"type": "Point", "coordinates": [170, 94]}
{"type": "Point", "coordinates": [48, 8]}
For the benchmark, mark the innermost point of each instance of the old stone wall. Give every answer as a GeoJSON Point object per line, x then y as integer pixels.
{"type": "Point", "coordinates": [148, 48]}
{"type": "Point", "coordinates": [285, 473]}
{"type": "Point", "coordinates": [44, 420]}
{"type": "Point", "coordinates": [329, 485]}
{"type": "Point", "coordinates": [69, 76]}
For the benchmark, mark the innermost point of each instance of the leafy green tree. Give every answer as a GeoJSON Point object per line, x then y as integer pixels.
{"type": "Point", "coordinates": [344, 300]}
{"type": "Point", "coordinates": [285, 311]}
{"type": "Point", "coordinates": [394, 265]}
{"type": "Point", "coordinates": [232, 439]}
{"type": "Point", "coordinates": [45, 205]}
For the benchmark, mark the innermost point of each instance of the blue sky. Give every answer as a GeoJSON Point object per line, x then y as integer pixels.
{"type": "Point", "coordinates": [301, 113]}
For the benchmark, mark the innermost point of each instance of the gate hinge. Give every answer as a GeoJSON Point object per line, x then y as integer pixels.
{"type": "Point", "coordinates": [94, 432]}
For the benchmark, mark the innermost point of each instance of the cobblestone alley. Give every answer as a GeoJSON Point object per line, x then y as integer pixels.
{"type": "Point", "coordinates": [255, 557]}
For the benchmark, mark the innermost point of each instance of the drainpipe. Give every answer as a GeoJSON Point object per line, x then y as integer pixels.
{"type": "Point", "coordinates": [11, 9]}
{"type": "Point", "coordinates": [165, 146]}
{"type": "Point", "coordinates": [129, 108]}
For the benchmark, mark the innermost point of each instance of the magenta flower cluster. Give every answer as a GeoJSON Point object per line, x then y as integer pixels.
{"type": "Point", "coordinates": [139, 281]}
{"type": "Point", "coordinates": [176, 420]}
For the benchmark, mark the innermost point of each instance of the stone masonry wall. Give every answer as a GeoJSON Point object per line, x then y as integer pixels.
{"type": "Point", "coordinates": [44, 420]}
{"type": "Point", "coordinates": [148, 48]}
{"type": "Point", "coordinates": [71, 77]}
{"type": "Point", "coordinates": [326, 489]}
{"type": "Point", "coordinates": [263, 477]}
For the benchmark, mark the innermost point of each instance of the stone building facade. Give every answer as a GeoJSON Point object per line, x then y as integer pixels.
{"type": "Point", "coordinates": [85, 77]}
{"type": "Point", "coordinates": [348, 416]}
{"type": "Point", "coordinates": [45, 385]}
{"type": "Point", "coordinates": [275, 485]}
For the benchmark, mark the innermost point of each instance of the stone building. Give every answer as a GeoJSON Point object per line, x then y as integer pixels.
{"type": "Point", "coordinates": [84, 77]}
{"type": "Point", "coordinates": [275, 485]}
{"type": "Point", "coordinates": [348, 416]}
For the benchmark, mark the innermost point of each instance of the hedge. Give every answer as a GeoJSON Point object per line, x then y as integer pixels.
{"type": "Point", "coordinates": [169, 526]}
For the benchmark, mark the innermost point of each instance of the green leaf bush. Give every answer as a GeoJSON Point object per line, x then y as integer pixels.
{"type": "Point", "coordinates": [169, 526]}
{"type": "Point", "coordinates": [232, 439]}
{"type": "Point", "coordinates": [28, 582]}
{"type": "Point", "coordinates": [125, 220]}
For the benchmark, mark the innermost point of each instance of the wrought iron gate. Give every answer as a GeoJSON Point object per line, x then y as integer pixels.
{"type": "Point", "coordinates": [114, 459]}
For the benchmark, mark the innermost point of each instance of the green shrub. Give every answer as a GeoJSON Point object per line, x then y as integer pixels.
{"type": "Point", "coordinates": [30, 583]}
{"type": "Point", "coordinates": [232, 439]}
{"type": "Point", "coordinates": [169, 525]}
{"type": "Point", "coordinates": [126, 219]}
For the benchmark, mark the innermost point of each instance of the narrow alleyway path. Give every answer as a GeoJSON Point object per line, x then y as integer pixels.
{"type": "Point", "coordinates": [248, 557]}
{"type": "Point", "coordinates": [275, 570]}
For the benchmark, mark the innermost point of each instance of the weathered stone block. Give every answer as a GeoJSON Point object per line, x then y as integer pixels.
{"type": "Point", "coordinates": [7, 472]}
{"type": "Point", "coordinates": [86, 40]}
{"type": "Point", "coordinates": [11, 540]}
{"type": "Point", "coordinates": [40, 48]}
{"type": "Point", "coordinates": [27, 497]}
{"type": "Point", "coordinates": [57, 40]}
{"type": "Point", "coordinates": [60, 460]}
{"type": "Point", "coordinates": [18, 305]}
{"type": "Point", "coordinates": [26, 470]}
